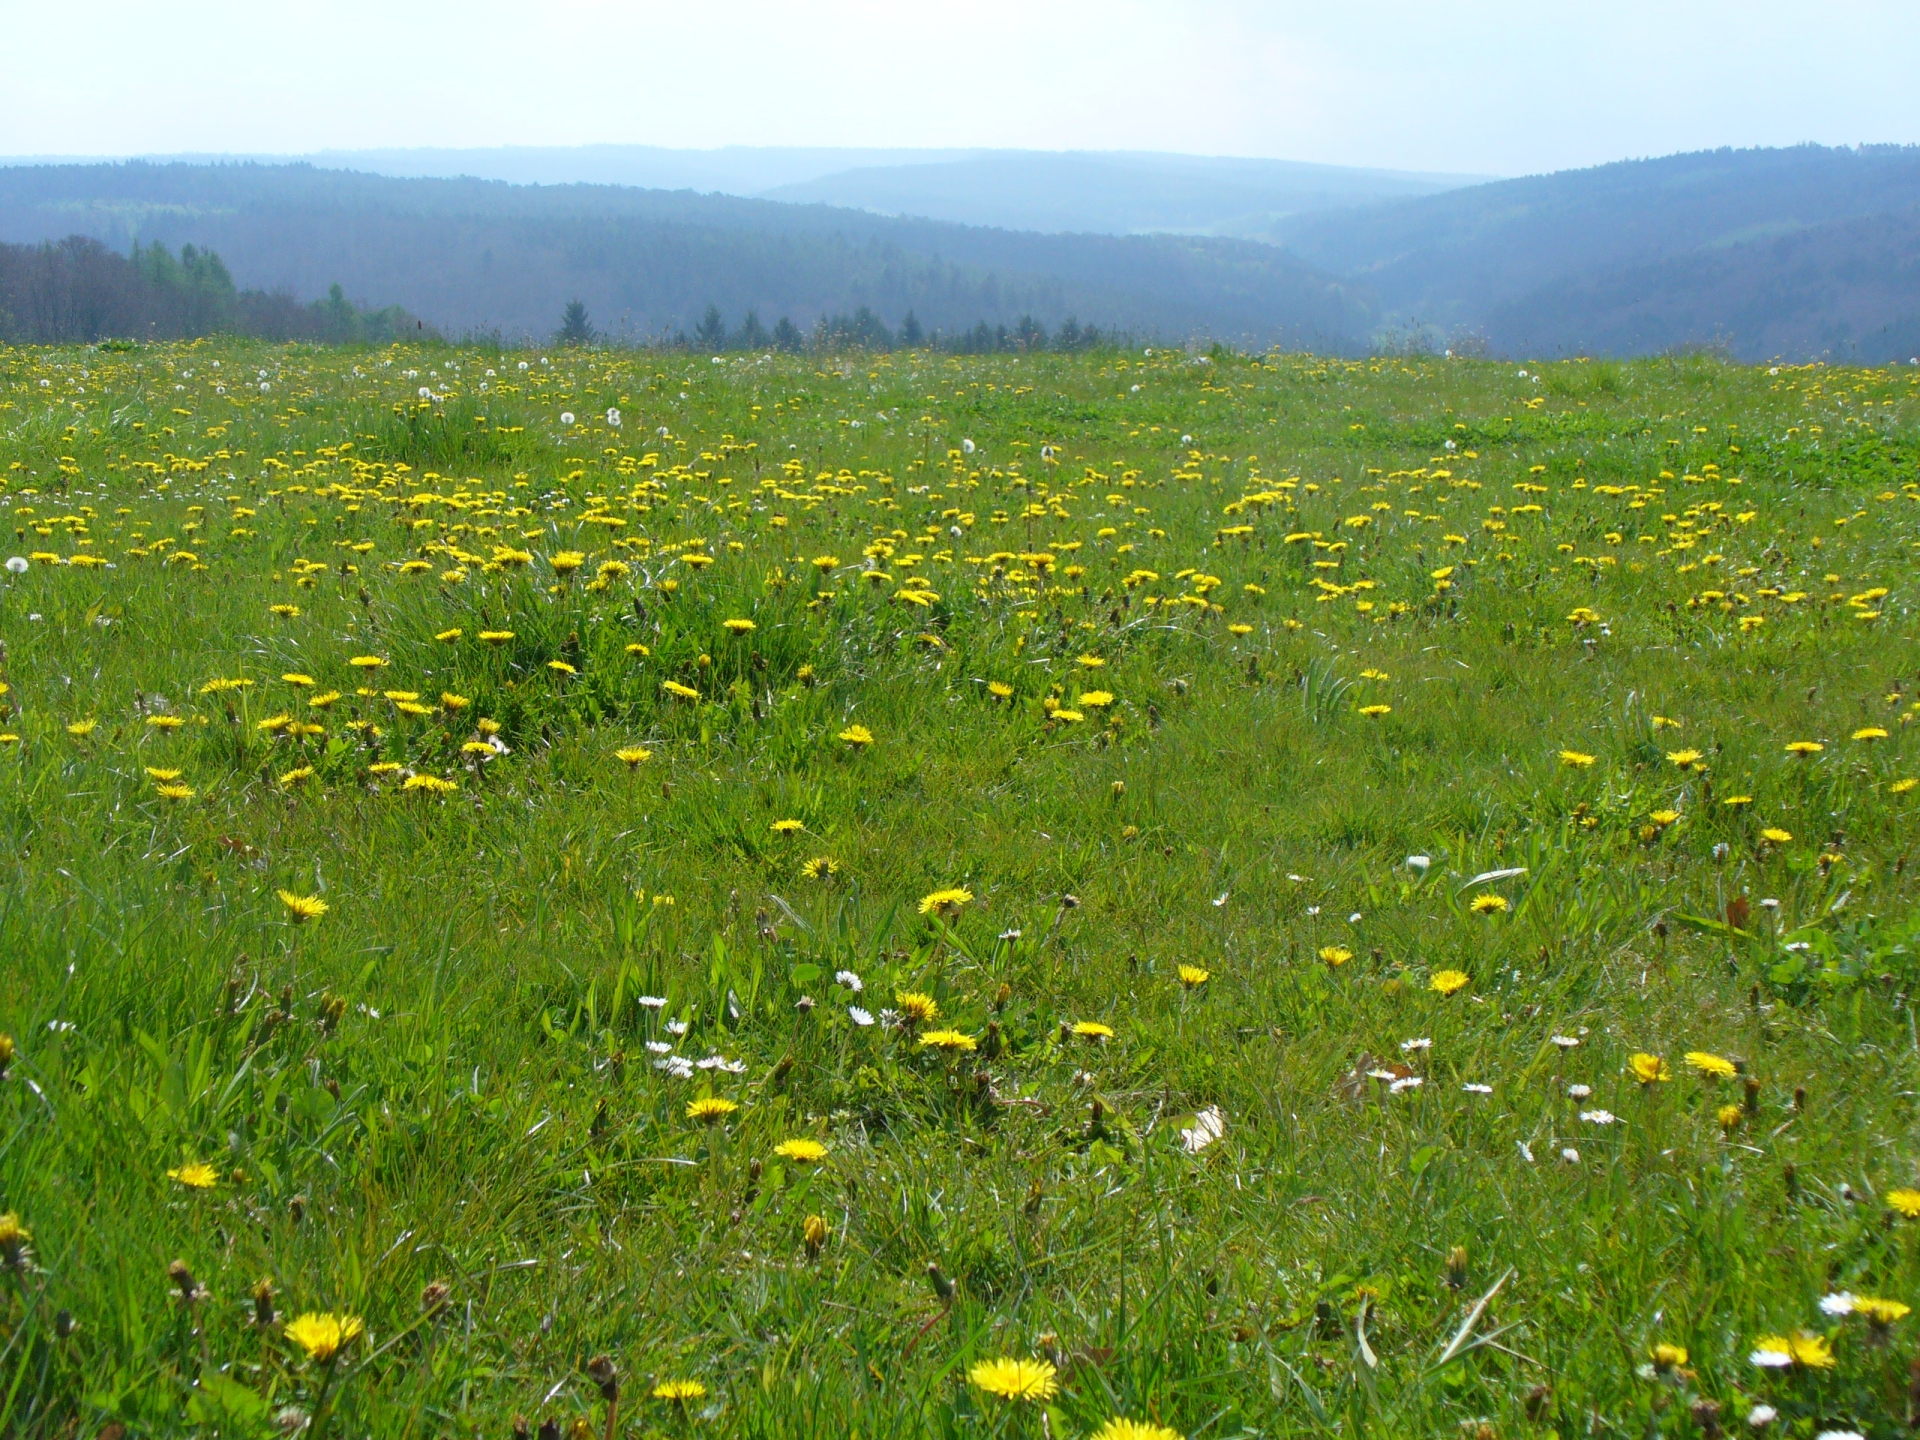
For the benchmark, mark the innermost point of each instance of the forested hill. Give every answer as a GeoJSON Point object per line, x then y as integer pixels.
{"type": "Point", "coordinates": [1797, 252]}
{"type": "Point", "coordinates": [471, 255]}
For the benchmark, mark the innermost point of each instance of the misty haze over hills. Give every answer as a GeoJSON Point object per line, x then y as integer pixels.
{"type": "Point", "coordinates": [1797, 253]}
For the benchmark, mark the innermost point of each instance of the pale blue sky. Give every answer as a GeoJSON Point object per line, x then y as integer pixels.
{"type": "Point", "coordinates": [1487, 86]}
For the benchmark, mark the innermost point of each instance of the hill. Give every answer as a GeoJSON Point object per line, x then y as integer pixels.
{"type": "Point", "coordinates": [1112, 193]}
{"type": "Point", "coordinates": [472, 255]}
{"type": "Point", "coordinates": [1789, 252]}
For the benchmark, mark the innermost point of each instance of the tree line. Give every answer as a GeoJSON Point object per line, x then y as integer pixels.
{"type": "Point", "coordinates": [79, 290]}
{"type": "Point", "coordinates": [862, 330]}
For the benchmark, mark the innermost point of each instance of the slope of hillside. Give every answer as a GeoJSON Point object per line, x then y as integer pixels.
{"type": "Point", "coordinates": [478, 255]}
{"type": "Point", "coordinates": [1452, 259]}
{"type": "Point", "coordinates": [1112, 193]}
{"type": "Point", "coordinates": [1849, 290]}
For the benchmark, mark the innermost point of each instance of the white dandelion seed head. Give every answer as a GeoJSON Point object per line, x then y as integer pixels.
{"type": "Point", "coordinates": [1565, 1042]}
{"type": "Point", "coordinates": [17, 564]}
{"type": "Point", "coordinates": [1579, 1092]}
{"type": "Point", "coordinates": [1570, 1155]}
{"type": "Point", "coordinates": [566, 417]}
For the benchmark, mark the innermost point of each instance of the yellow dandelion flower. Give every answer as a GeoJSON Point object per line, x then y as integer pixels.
{"type": "Point", "coordinates": [1804, 749]}
{"type": "Point", "coordinates": [197, 1176]}
{"type": "Point", "coordinates": [1122, 1429]}
{"type": "Point", "coordinates": [950, 1041]}
{"type": "Point", "coordinates": [787, 827]}
{"type": "Point", "coordinates": [1575, 758]}
{"type": "Point", "coordinates": [1774, 835]}
{"type": "Point", "coordinates": [448, 637]}
{"type": "Point", "coordinates": [679, 1392]}
{"type": "Point", "coordinates": [1709, 1064]}
{"type": "Point", "coordinates": [1192, 976]}
{"type": "Point", "coordinates": [857, 735]}
{"type": "Point", "coordinates": [1811, 1351]}
{"type": "Point", "coordinates": [1489, 905]}
{"type": "Point", "coordinates": [1669, 1357]}
{"type": "Point", "coordinates": [302, 908]}
{"type": "Point", "coordinates": [684, 692]}
{"type": "Point", "coordinates": [632, 756]}
{"type": "Point", "coordinates": [1014, 1379]}
{"type": "Point", "coordinates": [1092, 1030]}
{"type": "Point", "coordinates": [1880, 1312]}
{"type": "Point", "coordinates": [1683, 758]}
{"type": "Point", "coordinates": [1335, 955]}
{"type": "Point", "coordinates": [1870, 732]}
{"type": "Point", "coordinates": [1729, 1117]}
{"type": "Point", "coordinates": [1901, 787]}
{"type": "Point", "coordinates": [739, 627]}
{"type": "Point", "coordinates": [80, 729]}
{"type": "Point", "coordinates": [710, 1109]}
{"type": "Point", "coordinates": [1449, 982]}
{"type": "Point", "coordinates": [916, 1008]}
{"type": "Point", "coordinates": [1648, 1068]}
{"type": "Point", "coordinates": [367, 662]}
{"type": "Point", "coordinates": [945, 903]}
{"type": "Point", "coordinates": [324, 1335]}
{"type": "Point", "coordinates": [1905, 1203]}
{"type": "Point", "coordinates": [806, 1152]}
{"type": "Point", "coordinates": [1376, 710]}
{"type": "Point", "coordinates": [496, 637]}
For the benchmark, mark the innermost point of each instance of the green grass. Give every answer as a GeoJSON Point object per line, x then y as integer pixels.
{"type": "Point", "coordinates": [446, 1078]}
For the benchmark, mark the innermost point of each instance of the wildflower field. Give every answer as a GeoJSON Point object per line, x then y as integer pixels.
{"type": "Point", "coordinates": [1141, 894]}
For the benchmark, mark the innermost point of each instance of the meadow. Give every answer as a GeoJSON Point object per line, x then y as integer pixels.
{"type": "Point", "coordinates": [1137, 894]}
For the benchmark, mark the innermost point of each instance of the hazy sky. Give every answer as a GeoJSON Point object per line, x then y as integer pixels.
{"type": "Point", "coordinates": [1488, 86]}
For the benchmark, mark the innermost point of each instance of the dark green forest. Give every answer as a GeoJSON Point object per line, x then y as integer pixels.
{"type": "Point", "coordinates": [77, 289]}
